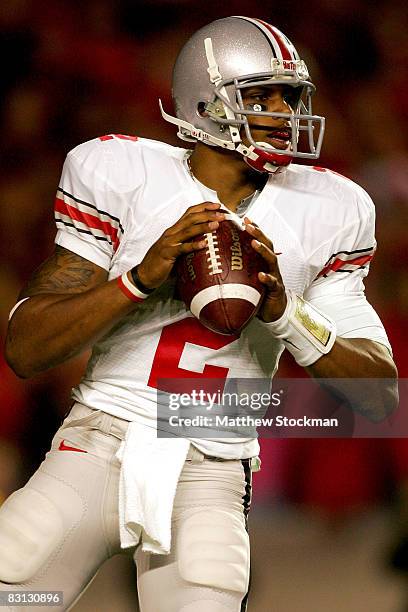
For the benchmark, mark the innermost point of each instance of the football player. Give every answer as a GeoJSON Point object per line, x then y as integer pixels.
{"type": "Point", "coordinates": [126, 208]}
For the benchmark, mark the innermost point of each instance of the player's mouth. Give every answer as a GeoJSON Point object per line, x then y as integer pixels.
{"type": "Point", "coordinates": [280, 138]}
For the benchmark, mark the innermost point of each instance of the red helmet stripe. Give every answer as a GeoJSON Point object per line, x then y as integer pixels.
{"type": "Point", "coordinates": [271, 39]}
{"type": "Point", "coordinates": [284, 49]}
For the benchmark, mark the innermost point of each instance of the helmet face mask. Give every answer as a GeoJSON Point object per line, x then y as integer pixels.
{"type": "Point", "coordinates": [300, 119]}
{"type": "Point", "coordinates": [210, 104]}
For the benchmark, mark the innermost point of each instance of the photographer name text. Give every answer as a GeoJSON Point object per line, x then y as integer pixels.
{"type": "Point", "coordinates": [250, 421]}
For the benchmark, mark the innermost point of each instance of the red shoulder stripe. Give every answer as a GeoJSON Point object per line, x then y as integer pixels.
{"type": "Point", "coordinates": [338, 263]}
{"type": "Point", "coordinates": [120, 136]}
{"type": "Point", "coordinates": [90, 220]}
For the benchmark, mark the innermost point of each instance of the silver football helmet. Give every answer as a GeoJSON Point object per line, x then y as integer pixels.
{"type": "Point", "coordinates": [213, 68]}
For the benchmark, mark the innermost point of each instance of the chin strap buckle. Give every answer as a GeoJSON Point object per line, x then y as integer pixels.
{"type": "Point", "coordinates": [216, 79]}
{"type": "Point", "coordinates": [213, 70]}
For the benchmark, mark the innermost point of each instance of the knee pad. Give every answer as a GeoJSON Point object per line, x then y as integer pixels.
{"type": "Point", "coordinates": [213, 550]}
{"type": "Point", "coordinates": [162, 589]}
{"type": "Point", "coordinates": [30, 529]}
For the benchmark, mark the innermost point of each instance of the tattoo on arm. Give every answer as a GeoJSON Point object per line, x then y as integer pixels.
{"type": "Point", "coordinates": [64, 272]}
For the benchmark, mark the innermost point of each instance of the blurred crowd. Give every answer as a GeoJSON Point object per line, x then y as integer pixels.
{"type": "Point", "coordinates": [72, 71]}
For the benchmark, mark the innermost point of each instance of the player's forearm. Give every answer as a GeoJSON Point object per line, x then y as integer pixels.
{"type": "Point", "coordinates": [366, 375]}
{"type": "Point", "coordinates": [49, 329]}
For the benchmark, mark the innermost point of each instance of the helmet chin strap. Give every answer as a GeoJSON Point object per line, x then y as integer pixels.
{"type": "Point", "coordinates": [216, 78]}
{"type": "Point", "coordinates": [258, 159]}
{"type": "Point", "coordinates": [263, 161]}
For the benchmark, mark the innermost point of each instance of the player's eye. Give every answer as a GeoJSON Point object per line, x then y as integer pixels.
{"type": "Point", "coordinates": [257, 107]}
{"type": "Point", "coordinates": [291, 96]}
{"type": "Point", "coordinates": [255, 96]}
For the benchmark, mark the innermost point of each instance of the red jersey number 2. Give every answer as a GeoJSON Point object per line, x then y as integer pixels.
{"type": "Point", "coordinates": [166, 360]}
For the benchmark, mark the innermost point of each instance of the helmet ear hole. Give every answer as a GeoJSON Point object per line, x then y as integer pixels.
{"type": "Point", "coordinates": [201, 109]}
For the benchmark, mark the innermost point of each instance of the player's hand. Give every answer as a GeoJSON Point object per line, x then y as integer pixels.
{"type": "Point", "coordinates": [178, 239]}
{"type": "Point", "coordinates": [274, 303]}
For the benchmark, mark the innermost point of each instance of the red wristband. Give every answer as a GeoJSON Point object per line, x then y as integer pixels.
{"type": "Point", "coordinates": [128, 288]}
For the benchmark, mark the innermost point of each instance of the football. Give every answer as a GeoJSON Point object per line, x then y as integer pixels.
{"type": "Point", "coordinates": [220, 284]}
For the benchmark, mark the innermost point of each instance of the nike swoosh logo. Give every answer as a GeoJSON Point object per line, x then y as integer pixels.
{"type": "Point", "coordinates": [64, 447]}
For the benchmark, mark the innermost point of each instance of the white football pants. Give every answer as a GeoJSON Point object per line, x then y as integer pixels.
{"type": "Point", "coordinates": [58, 530]}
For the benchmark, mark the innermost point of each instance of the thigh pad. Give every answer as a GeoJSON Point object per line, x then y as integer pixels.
{"type": "Point", "coordinates": [213, 550]}
{"type": "Point", "coordinates": [30, 529]}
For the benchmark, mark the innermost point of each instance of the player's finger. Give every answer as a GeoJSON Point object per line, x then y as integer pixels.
{"type": "Point", "coordinates": [194, 219]}
{"type": "Point", "coordinates": [187, 233]}
{"type": "Point", "coordinates": [172, 252]}
{"type": "Point", "coordinates": [258, 235]}
{"type": "Point", "coordinates": [195, 245]}
{"type": "Point", "coordinates": [202, 206]}
{"type": "Point", "coordinates": [200, 217]}
{"type": "Point", "coordinates": [269, 280]}
{"type": "Point", "coordinates": [196, 208]}
{"type": "Point", "coordinates": [247, 221]}
{"type": "Point", "coordinates": [268, 255]}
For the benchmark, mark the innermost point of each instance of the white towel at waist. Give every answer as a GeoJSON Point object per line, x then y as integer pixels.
{"type": "Point", "coordinates": [149, 475]}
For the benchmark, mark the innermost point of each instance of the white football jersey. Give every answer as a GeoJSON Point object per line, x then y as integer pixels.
{"type": "Point", "coordinates": [116, 197]}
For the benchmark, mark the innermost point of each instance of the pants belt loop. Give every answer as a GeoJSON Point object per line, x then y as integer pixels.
{"type": "Point", "coordinates": [106, 422]}
{"type": "Point", "coordinates": [194, 455]}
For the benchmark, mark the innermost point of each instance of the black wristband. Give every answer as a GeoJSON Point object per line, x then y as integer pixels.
{"type": "Point", "coordinates": [138, 283]}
